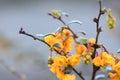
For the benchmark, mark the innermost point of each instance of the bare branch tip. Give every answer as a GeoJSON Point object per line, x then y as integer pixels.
{"type": "Point", "coordinates": [21, 31]}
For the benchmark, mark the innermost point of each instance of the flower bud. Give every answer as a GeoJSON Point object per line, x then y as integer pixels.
{"type": "Point", "coordinates": [103, 11]}
{"type": "Point", "coordinates": [50, 61]}
{"type": "Point", "coordinates": [88, 56]}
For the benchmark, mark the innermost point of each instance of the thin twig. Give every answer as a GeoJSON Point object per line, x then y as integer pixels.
{"type": "Point", "coordinates": [74, 35]}
{"type": "Point", "coordinates": [98, 30]}
{"type": "Point", "coordinates": [35, 38]}
{"type": "Point", "coordinates": [79, 74]}
{"type": "Point", "coordinates": [21, 31]}
{"type": "Point", "coordinates": [105, 49]}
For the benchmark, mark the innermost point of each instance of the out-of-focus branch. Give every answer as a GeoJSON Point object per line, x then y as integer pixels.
{"type": "Point", "coordinates": [13, 70]}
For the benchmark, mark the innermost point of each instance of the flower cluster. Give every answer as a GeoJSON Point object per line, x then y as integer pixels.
{"type": "Point", "coordinates": [85, 51]}
{"type": "Point", "coordinates": [61, 43]}
{"type": "Point", "coordinates": [110, 19]}
{"type": "Point", "coordinates": [61, 65]}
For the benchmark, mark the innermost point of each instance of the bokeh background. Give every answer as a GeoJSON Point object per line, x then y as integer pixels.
{"type": "Point", "coordinates": [21, 57]}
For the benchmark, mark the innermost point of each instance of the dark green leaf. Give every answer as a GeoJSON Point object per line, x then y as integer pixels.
{"type": "Point", "coordinates": [56, 45]}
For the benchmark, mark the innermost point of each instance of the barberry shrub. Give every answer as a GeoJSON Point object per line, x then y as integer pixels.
{"type": "Point", "coordinates": [62, 41]}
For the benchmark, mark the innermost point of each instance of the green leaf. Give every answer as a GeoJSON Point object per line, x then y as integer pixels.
{"type": "Point", "coordinates": [56, 45]}
{"type": "Point", "coordinates": [82, 32]}
{"type": "Point", "coordinates": [118, 51]}
{"type": "Point", "coordinates": [82, 40]}
{"type": "Point", "coordinates": [40, 36]}
{"type": "Point", "coordinates": [64, 13]}
{"type": "Point", "coordinates": [68, 69]}
{"type": "Point", "coordinates": [75, 21]}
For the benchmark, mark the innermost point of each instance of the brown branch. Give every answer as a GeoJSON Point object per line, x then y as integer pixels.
{"type": "Point", "coordinates": [105, 49]}
{"type": "Point", "coordinates": [98, 30]}
{"type": "Point", "coordinates": [21, 31]}
{"type": "Point", "coordinates": [74, 35]}
{"type": "Point", "coordinates": [61, 20]}
{"type": "Point", "coordinates": [79, 74]}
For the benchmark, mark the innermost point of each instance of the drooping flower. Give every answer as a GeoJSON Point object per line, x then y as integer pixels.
{"type": "Point", "coordinates": [116, 68]}
{"type": "Point", "coordinates": [86, 57]}
{"type": "Point", "coordinates": [91, 40]}
{"type": "Point", "coordinates": [108, 59]}
{"type": "Point", "coordinates": [80, 48]}
{"type": "Point", "coordinates": [110, 20]}
{"type": "Point", "coordinates": [69, 77]}
{"type": "Point", "coordinates": [60, 60]}
{"type": "Point", "coordinates": [103, 59]}
{"type": "Point", "coordinates": [67, 44]}
{"type": "Point", "coordinates": [73, 60]}
{"type": "Point", "coordinates": [114, 76]}
{"type": "Point", "coordinates": [98, 61]}
{"type": "Point", "coordinates": [65, 36]}
{"type": "Point", "coordinates": [53, 42]}
{"type": "Point", "coordinates": [50, 39]}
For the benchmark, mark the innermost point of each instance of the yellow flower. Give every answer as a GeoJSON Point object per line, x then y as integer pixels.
{"type": "Point", "coordinates": [69, 77]}
{"type": "Point", "coordinates": [98, 61]}
{"type": "Point", "coordinates": [91, 40]}
{"type": "Point", "coordinates": [60, 60]}
{"type": "Point", "coordinates": [53, 68]}
{"type": "Point", "coordinates": [60, 73]}
{"type": "Point", "coordinates": [65, 37]}
{"type": "Point", "coordinates": [108, 59]}
{"type": "Point", "coordinates": [51, 40]}
{"type": "Point", "coordinates": [114, 76]}
{"type": "Point", "coordinates": [67, 44]}
{"type": "Point", "coordinates": [103, 59]}
{"type": "Point", "coordinates": [66, 33]}
{"type": "Point", "coordinates": [80, 48]}
{"type": "Point", "coordinates": [116, 68]}
{"type": "Point", "coordinates": [73, 60]}
{"type": "Point", "coordinates": [110, 20]}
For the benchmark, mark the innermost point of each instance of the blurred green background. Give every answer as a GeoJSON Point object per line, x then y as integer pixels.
{"type": "Point", "coordinates": [22, 56]}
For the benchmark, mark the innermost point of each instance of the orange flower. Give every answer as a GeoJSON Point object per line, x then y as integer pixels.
{"type": "Point", "coordinates": [98, 61]}
{"type": "Point", "coordinates": [50, 39]}
{"type": "Point", "coordinates": [60, 60]}
{"type": "Point", "coordinates": [91, 40]}
{"type": "Point", "coordinates": [116, 67]}
{"type": "Point", "coordinates": [67, 44]}
{"type": "Point", "coordinates": [63, 34]}
{"type": "Point", "coordinates": [73, 60]}
{"type": "Point", "coordinates": [60, 73]}
{"type": "Point", "coordinates": [80, 48]}
{"type": "Point", "coordinates": [114, 76]}
{"type": "Point", "coordinates": [65, 38]}
{"type": "Point", "coordinates": [103, 59]}
{"type": "Point", "coordinates": [69, 77]}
